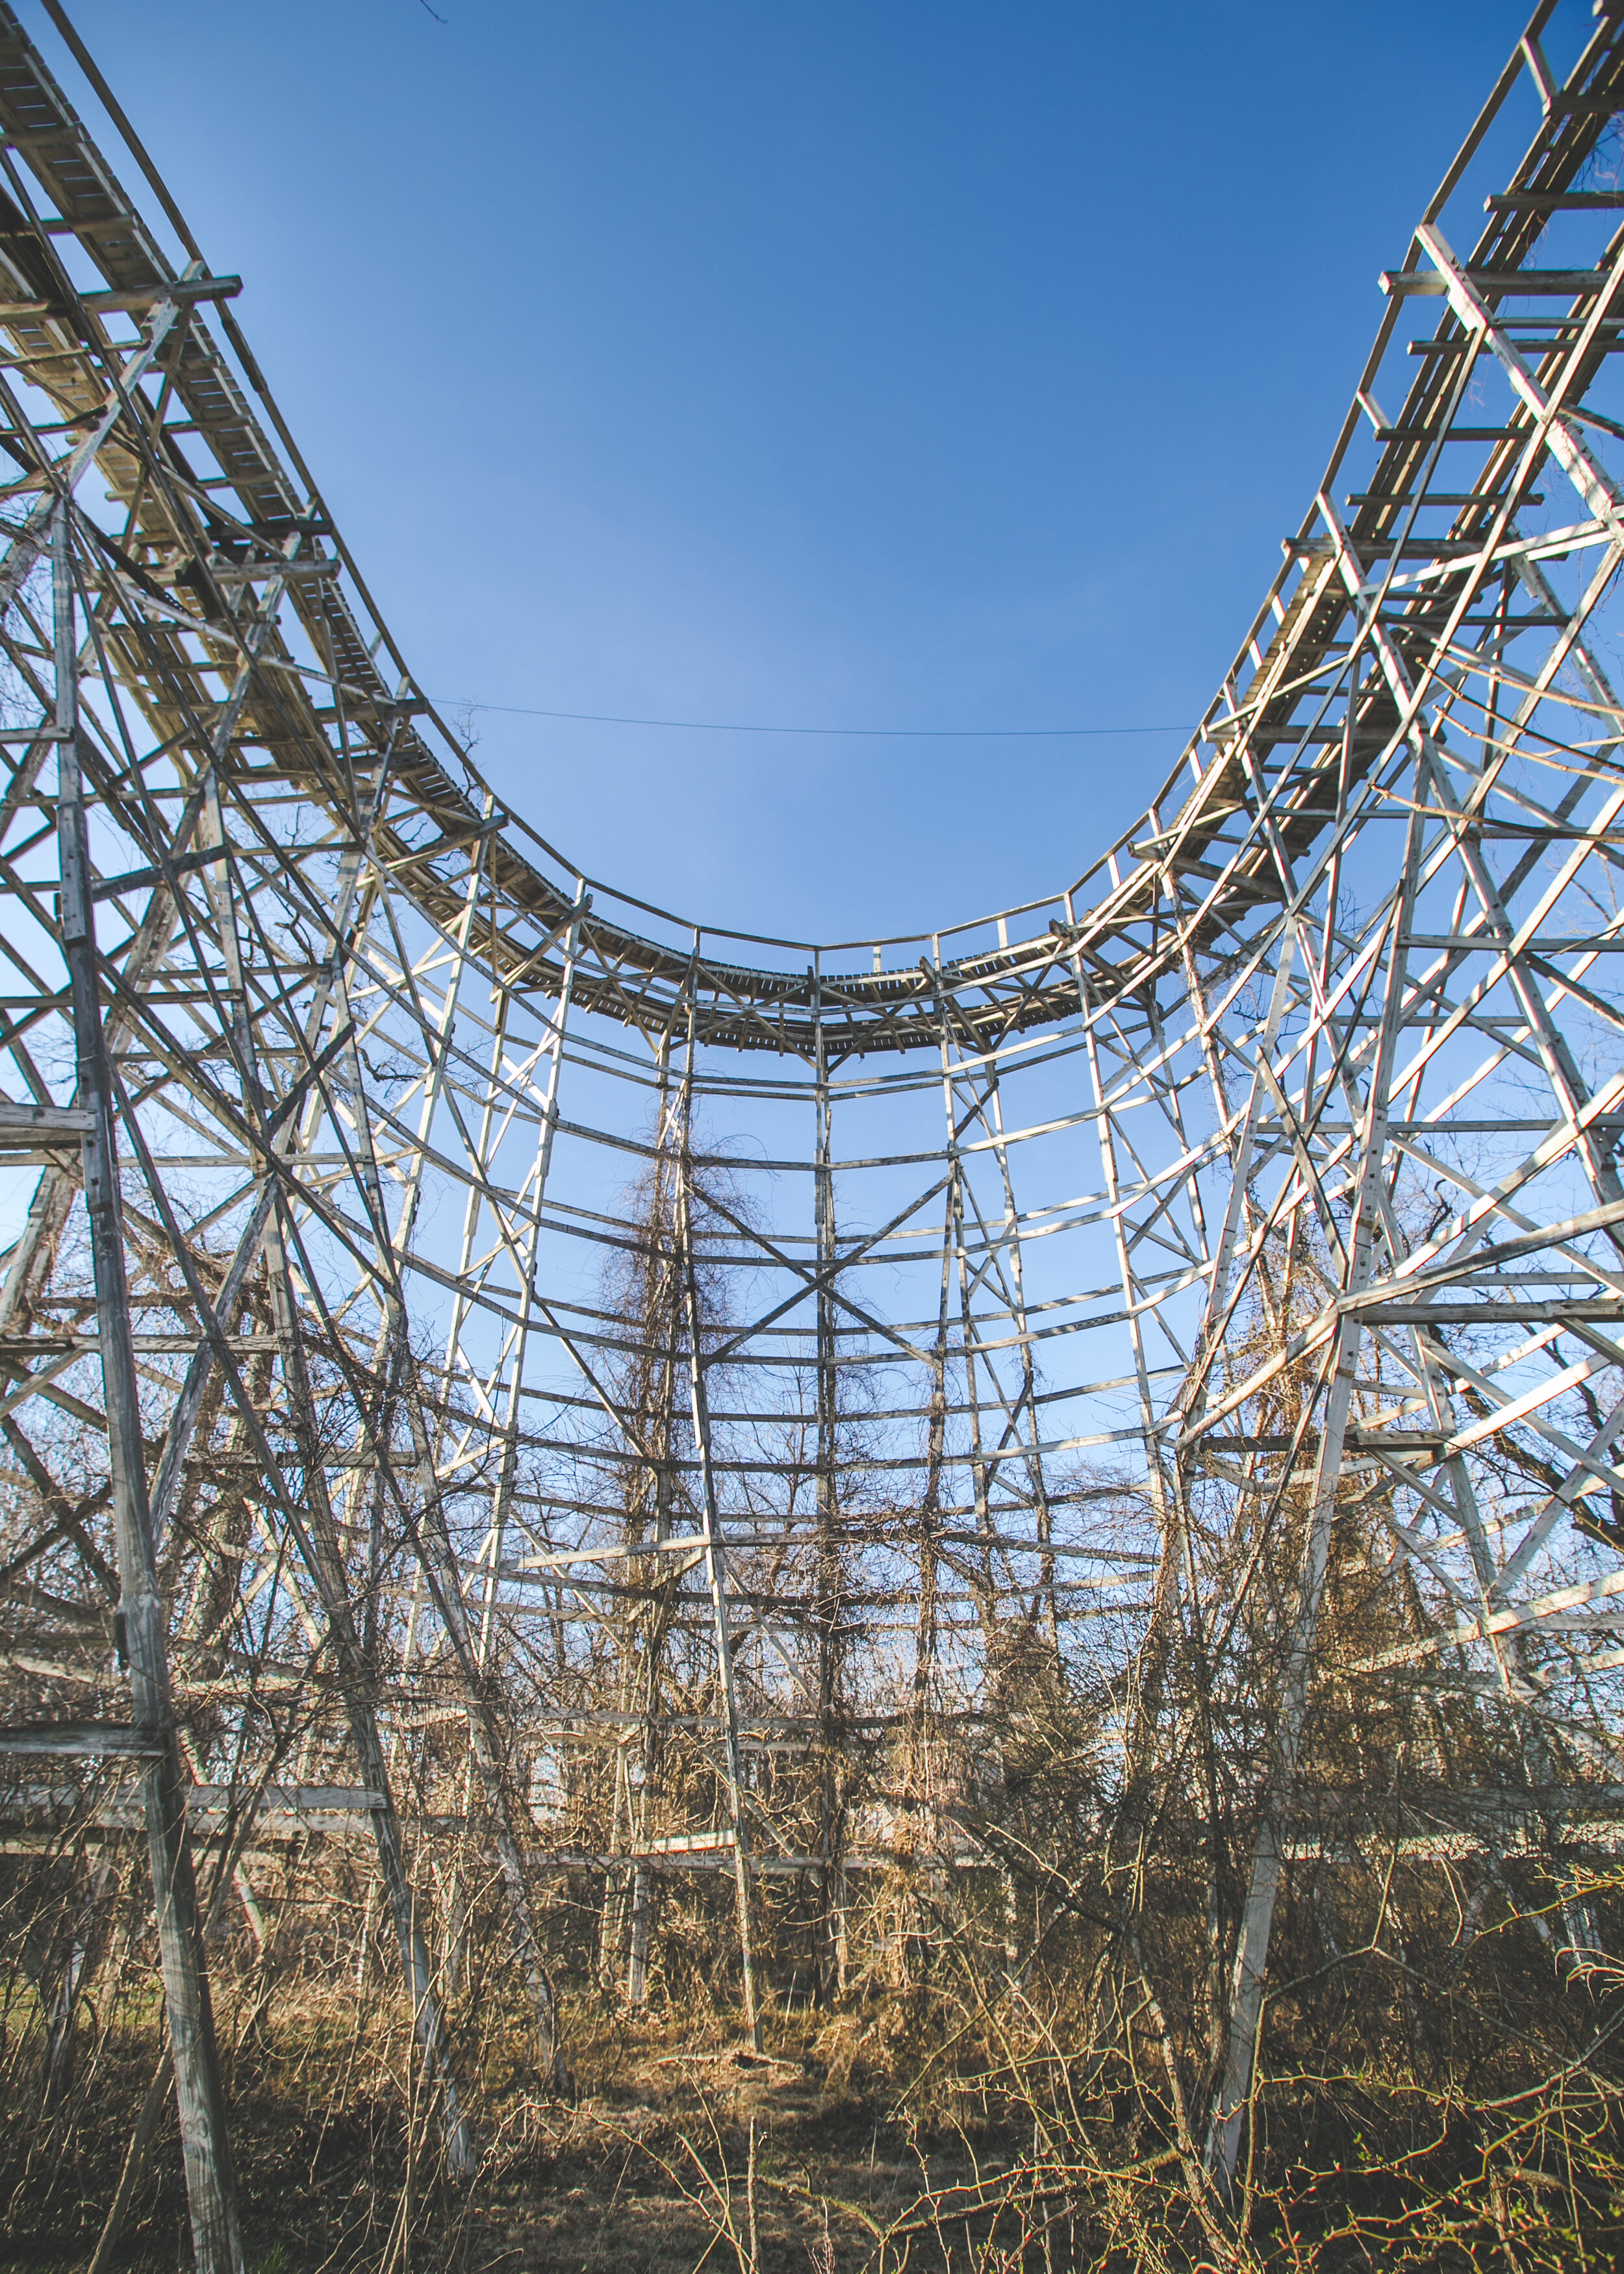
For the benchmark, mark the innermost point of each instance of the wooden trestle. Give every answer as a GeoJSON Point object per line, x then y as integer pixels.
{"type": "Point", "coordinates": [437, 1268]}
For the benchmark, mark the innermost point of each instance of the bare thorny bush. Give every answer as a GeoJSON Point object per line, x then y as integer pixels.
{"type": "Point", "coordinates": [1024, 1986]}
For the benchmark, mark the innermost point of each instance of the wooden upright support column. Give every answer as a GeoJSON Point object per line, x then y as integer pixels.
{"type": "Point", "coordinates": [205, 2144]}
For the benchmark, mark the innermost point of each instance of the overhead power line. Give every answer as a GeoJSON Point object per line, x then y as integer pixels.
{"type": "Point", "coordinates": [733, 726]}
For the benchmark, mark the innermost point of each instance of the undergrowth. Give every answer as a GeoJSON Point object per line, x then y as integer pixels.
{"type": "Point", "coordinates": [963, 2120]}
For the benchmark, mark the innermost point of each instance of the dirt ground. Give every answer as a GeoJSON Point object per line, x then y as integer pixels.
{"type": "Point", "coordinates": [653, 2179]}
{"type": "Point", "coordinates": [847, 2146]}
{"type": "Point", "coordinates": [679, 2148]}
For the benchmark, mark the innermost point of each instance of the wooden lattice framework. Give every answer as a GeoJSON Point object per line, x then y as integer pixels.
{"type": "Point", "coordinates": [447, 1283]}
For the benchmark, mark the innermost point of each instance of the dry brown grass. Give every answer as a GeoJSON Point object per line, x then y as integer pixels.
{"type": "Point", "coordinates": [958, 2120]}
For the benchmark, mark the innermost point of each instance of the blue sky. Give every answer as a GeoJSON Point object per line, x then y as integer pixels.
{"type": "Point", "coordinates": [909, 364]}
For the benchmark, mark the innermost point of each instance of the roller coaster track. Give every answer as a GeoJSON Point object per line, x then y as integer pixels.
{"type": "Point", "coordinates": [422, 1247]}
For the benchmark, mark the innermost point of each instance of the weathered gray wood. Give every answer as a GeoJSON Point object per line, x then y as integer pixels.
{"type": "Point", "coordinates": [204, 2141]}
{"type": "Point", "coordinates": [333, 1021]}
{"type": "Point", "coordinates": [715, 1565]}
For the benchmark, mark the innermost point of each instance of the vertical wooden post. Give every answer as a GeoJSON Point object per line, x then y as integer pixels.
{"type": "Point", "coordinates": [322, 1552]}
{"type": "Point", "coordinates": [1268, 1855]}
{"type": "Point", "coordinates": [320, 1537]}
{"type": "Point", "coordinates": [969, 1339]}
{"type": "Point", "coordinates": [715, 1572]}
{"type": "Point", "coordinates": [1045, 1603]}
{"type": "Point", "coordinates": [483, 1755]}
{"type": "Point", "coordinates": [832, 1876]}
{"type": "Point", "coordinates": [205, 2143]}
{"type": "Point", "coordinates": [663, 1306]}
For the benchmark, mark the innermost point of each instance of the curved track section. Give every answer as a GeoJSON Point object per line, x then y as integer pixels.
{"type": "Point", "coordinates": [480, 1348]}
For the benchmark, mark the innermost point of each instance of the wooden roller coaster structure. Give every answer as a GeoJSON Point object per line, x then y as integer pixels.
{"type": "Point", "coordinates": [495, 1375]}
